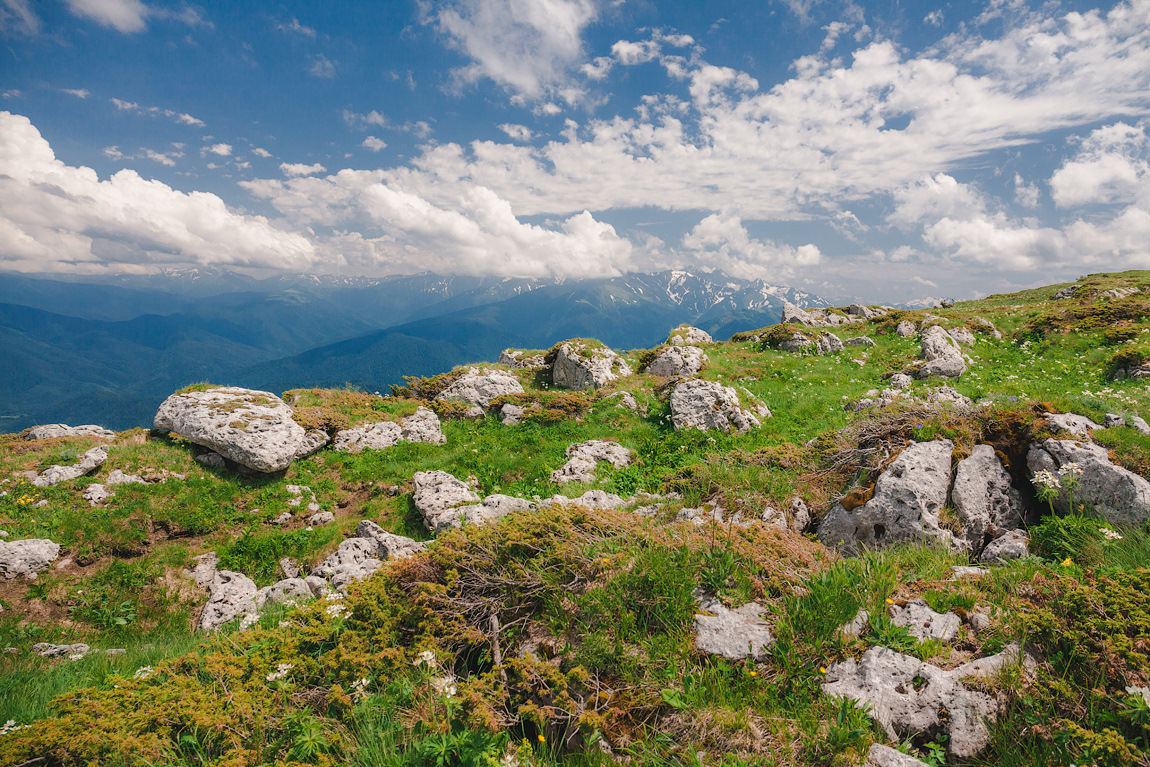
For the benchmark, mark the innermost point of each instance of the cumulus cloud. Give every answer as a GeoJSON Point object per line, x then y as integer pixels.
{"type": "Point", "coordinates": [932, 199]}
{"type": "Point", "coordinates": [123, 15]}
{"type": "Point", "coordinates": [516, 132]}
{"type": "Point", "coordinates": [527, 46]}
{"type": "Point", "coordinates": [259, 151]}
{"type": "Point", "coordinates": [223, 150]}
{"type": "Point", "coordinates": [374, 144]}
{"type": "Point", "coordinates": [1025, 194]}
{"type": "Point", "coordinates": [56, 217]}
{"type": "Point", "coordinates": [722, 241]}
{"type": "Point", "coordinates": [300, 169]}
{"type": "Point", "coordinates": [1111, 165]}
{"type": "Point", "coordinates": [628, 53]}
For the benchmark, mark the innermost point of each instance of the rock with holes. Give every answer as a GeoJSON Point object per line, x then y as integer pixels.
{"type": "Point", "coordinates": [901, 381]}
{"type": "Point", "coordinates": [924, 623]}
{"type": "Point", "coordinates": [53, 430]}
{"type": "Point", "coordinates": [962, 336]}
{"type": "Point", "coordinates": [941, 355]}
{"type": "Point", "coordinates": [987, 503]}
{"type": "Point", "coordinates": [1070, 423]}
{"type": "Point", "coordinates": [421, 426]}
{"type": "Point", "coordinates": [479, 387]}
{"type": "Point", "coordinates": [885, 756]}
{"type": "Point", "coordinates": [88, 463]}
{"type": "Point", "coordinates": [828, 343]}
{"type": "Point", "coordinates": [708, 405]}
{"type": "Point", "coordinates": [521, 358]}
{"type": "Point", "coordinates": [27, 557]}
{"type": "Point", "coordinates": [359, 557]}
{"type": "Point", "coordinates": [96, 493]}
{"type": "Point", "coordinates": [905, 329]}
{"type": "Point", "coordinates": [582, 457]}
{"type": "Point", "coordinates": [592, 499]}
{"type": "Point", "coordinates": [1011, 545]}
{"type": "Point", "coordinates": [908, 498]}
{"type": "Point", "coordinates": [911, 699]}
{"type": "Point", "coordinates": [685, 335]}
{"type": "Point", "coordinates": [1119, 495]}
{"type": "Point", "coordinates": [437, 496]}
{"type": "Point", "coordinates": [677, 361]}
{"type": "Point", "coordinates": [581, 365]}
{"type": "Point", "coordinates": [253, 428]}
{"type": "Point", "coordinates": [285, 592]}
{"type": "Point", "coordinates": [231, 595]}
{"type": "Point", "coordinates": [732, 634]}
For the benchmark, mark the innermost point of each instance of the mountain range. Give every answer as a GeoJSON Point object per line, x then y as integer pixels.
{"type": "Point", "coordinates": [111, 349]}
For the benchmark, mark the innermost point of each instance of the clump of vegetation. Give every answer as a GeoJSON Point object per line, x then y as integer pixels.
{"type": "Point", "coordinates": [548, 407]}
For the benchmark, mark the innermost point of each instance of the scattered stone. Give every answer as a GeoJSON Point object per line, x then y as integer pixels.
{"type": "Point", "coordinates": [905, 329]}
{"type": "Point", "coordinates": [731, 634]}
{"type": "Point", "coordinates": [437, 497]}
{"type": "Point", "coordinates": [866, 312]}
{"type": "Point", "coordinates": [860, 341]}
{"type": "Point", "coordinates": [253, 428]}
{"type": "Point", "coordinates": [205, 570]}
{"type": "Point", "coordinates": [828, 343]}
{"type": "Point", "coordinates": [1014, 544]}
{"type": "Point", "coordinates": [986, 502]}
{"type": "Point", "coordinates": [521, 358]}
{"type": "Point", "coordinates": [27, 557]}
{"type": "Point", "coordinates": [230, 596]}
{"type": "Point", "coordinates": [685, 335]}
{"type": "Point", "coordinates": [592, 499]}
{"type": "Point", "coordinates": [900, 381]}
{"type": "Point", "coordinates": [116, 651]}
{"type": "Point", "coordinates": [1139, 425]}
{"type": "Point", "coordinates": [797, 342]}
{"type": "Point", "coordinates": [988, 327]}
{"type": "Point", "coordinates": [289, 568]}
{"type": "Point", "coordinates": [959, 572]}
{"type": "Point", "coordinates": [582, 457]}
{"type": "Point", "coordinates": [941, 355]}
{"type": "Point", "coordinates": [1066, 292]}
{"type": "Point", "coordinates": [800, 515]}
{"type": "Point", "coordinates": [298, 492]}
{"type": "Point", "coordinates": [816, 318]}
{"type": "Point", "coordinates": [89, 462]}
{"type": "Point", "coordinates": [53, 430]}
{"type": "Point", "coordinates": [582, 365]}
{"type": "Point", "coordinates": [1119, 495]}
{"type": "Point", "coordinates": [95, 494]}
{"type": "Point", "coordinates": [282, 519]}
{"type": "Point", "coordinates": [908, 498]}
{"type": "Point", "coordinates": [924, 623]}
{"type": "Point", "coordinates": [70, 651]}
{"type": "Point", "coordinates": [948, 395]}
{"type": "Point", "coordinates": [625, 399]}
{"type": "Point", "coordinates": [980, 622]}
{"type": "Point", "coordinates": [319, 587]}
{"type": "Point", "coordinates": [885, 756]}
{"type": "Point", "coordinates": [321, 518]}
{"type": "Point", "coordinates": [509, 414]}
{"type": "Point", "coordinates": [857, 626]}
{"type": "Point", "coordinates": [1114, 421]}
{"type": "Point", "coordinates": [1116, 294]}
{"type": "Point", "coordinates": [479, 387]}
{"type": "Point", "coordinates": [1069, 423]}
{"type": "Point", "coordinates": [707, 405]}
{"type": "Point", "coordinates": [422, 426]}
{"type": "Point", "coordinates": [677, 360]}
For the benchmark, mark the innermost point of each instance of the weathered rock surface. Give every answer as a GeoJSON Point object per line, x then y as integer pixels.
{"type": "Point", "coordinates": [1066, 292]}
{"type": "Point", "coordinates": [941, 355]}
{"type": "Point", "coordinates": [422, 426]}
{"type": "Point", "coordinates": [1070, 423]}
{"type": "Point", "coordinates": [580, 365]}
{"type": "Point", "coordinates": [797, 342]}
{"type": "Point", "coordinates": [924, 623]}
{"type": "Point", "coordinates": [685, 335]}
{"type": "Point", "coordinates": [437, 496]}
{"type": "Point", "coordinates": [961, 336]}
{"type": "Point", "coordinates": [816, 318]}
{"type": "Point", "coordinates": [1119, 495]}
{"type": "Point", "coordinates": [53, 430]}
{"type": "Point", "coordinates": [71, 651]}
{"type": "Point", "coordinates": [1014, 544]}
{"type": "Point", "coordinates": [986, 503]}
{"type": "Point", "coordinates": [480, 387]}
{"type": "Point", "coordinates": [623, 399]}
{"type": "Point", "coordinates": [866, 312]}
{"type": "Point", "coordinates": [707, 405]}
{"type": "Point", "coordinates": [287, 591]}
{"type": "Point", "coordinates": [27, 557]}
{"type": "Point", "coordinates": [89, 462]}
{"type": "Point", "coordinates": [582, 457]}
{"type": "Point", "coordinates": [677, 360]}
{"type": "Point", "coordinates": [911, 698]}
{"type": "Point", "coordinates": [863, 341]}
{"type": "Point", "coordinates": [592, 499]}
{"type": "Point", "coordinates": [908, 498]}
{"type": "Point", "coordinates": [885, 756]}
{"type": "Point", "coordinates": [901, 381]}
{"type": "Point", "coordinates": [828, 343]}
{"type": "Point", "coordinates": [510, 414]}
{"type": "Point", "coordinates": [521, 358]}
{"type": "Point", "coordinates": [988, 327]}
{"type": "Point", "coordinates": [230, 596]}
{"type": "Point", "coordinates": [732, 634]}
{"type": "Point", "coordinates": [253, 428]}
{"type": "Point", "coordinates": [905, 329]}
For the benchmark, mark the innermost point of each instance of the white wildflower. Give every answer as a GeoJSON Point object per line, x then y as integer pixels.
{"type": "Point", "coordinates": [445, 685]}
{"type": "Point", "coordinates": [1110, 535]}
{"type": "Point", "coordinates": [281, 671]}
{"type": "Point", "coordinates": [427, 656]}
{"type": "Point", "coordinates": [1070, 469]}
{"type": "Point", "coordinates": [359, 688]}
{"type": "Point", "coordinates": [11, 726]}
{"type": "Point", "coordinates": [1047, 479]}
{"type": "Point", "coordinates": [336, 610]}
{"type": "Point", "coordinates": [143, 672]}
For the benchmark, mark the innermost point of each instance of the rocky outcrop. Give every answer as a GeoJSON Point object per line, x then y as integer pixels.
{"type": "Point", "coordinates": [923, 623]}
{"type": "Point", "coordinates": [1069, 423]}
{"type": "Point", "coordinates": [816, 318]}
{"type": "Point", "coordinates": [961, 336]}
{"type": "Point", "coordinates": [910, 698]}
{"type": "Point", "coordinates": [1119, 495]}
{"type": "Point", "coordinates": [941, 355]}
{"type": "Point", "coordinates": [707, 405]}
{"type": "Point", "coordinates": [1011, 545]}
{"type": "Point", "coordinates": [731, 634]}
{"type": "Point", "coordinates": [89, 462]}
{"type": "Point", "coordinates": [582, 457]}
{"type": "Point", "coordinates": [422, 426]}
{"type": "Point", "coordinates": [623, 399]}
{"type": "Point", "coordinates": [986, 503]}
{"type": "Point", "coordinates": [286, 592]}
{"type": "Point", "coordinates": [581, 365]}
{"type": "Point", "coordinates": [1065, 293]}
{"type": "Point", "coordinates": [685, 335]}
{"type": "Point", "coordinates": [438, 496]}
{"type": "Point", "coordinates": [521, 358]}
{"type": "Point", "coordinates": [863, 341]}
{"type": "Point", "coordinates": [908, 498]}
{"type": "Point", "coordinates": [479, 387]}
{"type": "Point", "coordinates": [828, 343]}
{"type": "Point", "coordinates": [592, 499]}
{"type": "Point", "coordinates": [865, 312]}
{"type": "Point", "coordinates": [231, 595]}
{"type": "Point", "coordinates": [53, 430]}
{"type": "Point", "coordinates": [676, 361]}
{"type": "Point", "coordinates": [28, 557]}
{"type": "Point", "coordinates": [359, 557]}
{"type": "Point", "coordinates": [253, 428]}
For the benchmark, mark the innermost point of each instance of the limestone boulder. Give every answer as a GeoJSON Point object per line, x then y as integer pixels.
{"type": "Point", "coordinates": [437, 496]}
{"type": "Point", "coordinates": [253, 428]}
{"type": "Point", "coordinates": [479, 387]}
{"type": "Point", "coordinates": [422, 426]}
{"type": "Point", "coordinates": [27, 557]}
{"type": "Point", "coordinates": [908, 498]}
{"type": "Point", "coordinates": [624, 399]}
{"type": "Point", "coordinates": [708, 405]}
{"type": "Point", "coordinates": [287, 591]}
{"type": "Point", "coordinates": [1070, 423]}
{"type": "Point", "coordinates": [923, 623]}
{"type": "Point", "coordinates": [905, 329]}
{"type": "Point", "coordinates": [88, 463]}
{"type": "Point", "coordinates": [941, 355]}
{"type": "Point", "coordinates": [53, 430]}
{"type": "Point", "coordinates": [1118, 494]}
{"type": "Point", "coordinates": [828, 343]}
{"type": "Point", "coordinates": [685, 335]}
{"type": "Point", "coordinates": [961, 336]}
{"type": "Point", "coordinates": [355, 560]}
{"type": "Point", "coordinates": [986, 502]}
{"type": "Point", "coordinates": [231, 595]}
{"type": "Point", "coordinates": [581, 365]}
{"type": "Point", "coordinates": [582, 458]}
{"type": "Point", "coordinates": [521, 358]}
{"type": "Point", "coordinates": [1011, 545]}
{"type": "Point", "coordinates": [885, 756]}
{"type": "Point", "coordinates": [732, 634]}
{"type": "Point", "coordinates": [863, 341]}
{"type": "Point", "coordinates": [866, 312]}
{"type": "Point", "coordinates": [677, 361]}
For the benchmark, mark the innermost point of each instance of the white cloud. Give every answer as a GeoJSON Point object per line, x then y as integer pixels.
{"type": "Point", "coordinates": [516, 132]}
{"type": "Point", "coordinates": [374, 144]}
{"type": "Point", "coordinates": [525, 46]}
{"type": "Point", "coordinates": [19, 16]}
{"type": "Point", "coordinates": [261, 152]}
{"type": "Point", "coordinates": [112, 152]}
{"type": "Point", "coordinates": [321, 66]}
{"type": "Point", "coordinates": [932, 199]}
{"type": "Point", "coordinates": [299, 169]}
{"type": "Point", "coordinates": [1112, 165]}
{"type": "Point", "coordinates": [597, 68]}
{"type": "Point", "coordinates": [934, 18]}
{"type": "Point", "coordinates": [56, 217]}
{"type": "Point", "coordinates": [223, 150]}
{"type": "Point", "coordinates": [628, 53]}
{"type": "Point", "coordinates": [80, 93]}
{"type": "Point", "coordinates": [1025, 194]}
{"type": "Point", "coordinates": [296, 27]}
{"type": "Point", "coordinates": [123, 15]}
{"type": "Point", "coordinates": [722, 241]}
{"type": "Point", "coordinates": [180, 117]}
{"type": "Point", "coordinates": [168, 159]}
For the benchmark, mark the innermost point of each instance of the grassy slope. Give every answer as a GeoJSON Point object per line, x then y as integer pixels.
{"type": "Point", "coordinates": [605, 597]}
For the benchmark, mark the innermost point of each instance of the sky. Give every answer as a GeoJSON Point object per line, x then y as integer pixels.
{"type": "Point", "coordinates": [878, 150]}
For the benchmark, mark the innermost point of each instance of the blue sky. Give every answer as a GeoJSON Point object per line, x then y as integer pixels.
{"type": "Point", "coordinates": [879, 150]}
